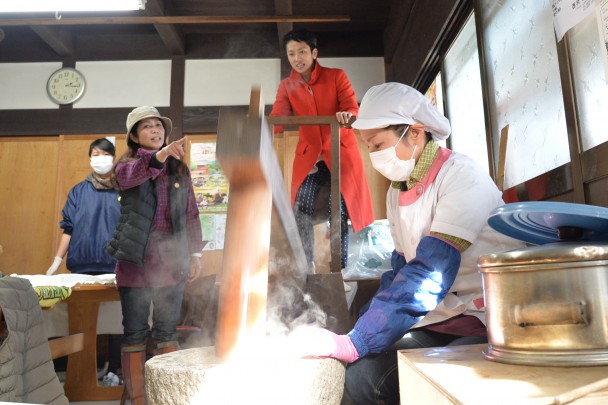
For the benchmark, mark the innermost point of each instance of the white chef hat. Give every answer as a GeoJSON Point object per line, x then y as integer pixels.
{"type": "Point", "coordinates": [396, 103]}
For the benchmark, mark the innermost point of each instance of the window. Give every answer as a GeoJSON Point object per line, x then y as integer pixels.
{"type": "Point", "coordinates": [464, 99]}
{"type": "Point", "coordinates": [589, 71]}
{"type": "Point", "coordinates": [524, 86]}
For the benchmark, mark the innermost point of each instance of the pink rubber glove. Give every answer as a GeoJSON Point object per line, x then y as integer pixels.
{"type": "Point", "coordinates": [317, 342]}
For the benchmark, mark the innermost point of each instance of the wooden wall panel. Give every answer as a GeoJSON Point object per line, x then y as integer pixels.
{"type": "Point", "coordinates": [44, 169]}
{"type": "Point", "coordinates": [378, 184]}
{"type": "Point", "coordinates": [279, 145]}
{"type": "Point", "coordinates": [596, 192]}
{"type": "Point", "coordinates": [27, 198]}
{"type": "Point", "coordinates": [288, 155]}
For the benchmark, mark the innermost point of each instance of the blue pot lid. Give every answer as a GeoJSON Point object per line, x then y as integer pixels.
{"type": "Point", "coordinates": [541, 222]}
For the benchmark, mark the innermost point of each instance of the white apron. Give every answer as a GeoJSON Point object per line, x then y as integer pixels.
{"type": "Point", "coordinates": [454, 198]}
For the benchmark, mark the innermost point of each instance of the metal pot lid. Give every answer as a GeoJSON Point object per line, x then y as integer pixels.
{"type": "Point", "coordinates": [541, 222]}
{"type": "Point", "coordinates": [540, 256]}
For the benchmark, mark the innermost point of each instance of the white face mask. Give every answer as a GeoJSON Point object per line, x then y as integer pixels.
{"type": "Point", "coordinates": [390, 166]}
{"type": "Point", "coordinates": [102, 164]}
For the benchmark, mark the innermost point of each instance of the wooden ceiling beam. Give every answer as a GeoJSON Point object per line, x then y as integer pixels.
{"type": "Point", "coordinates": [283, 7]}
{"type": "Point", "coordinates": [170, 34]}
{"type": "Point", "coordinates": [6, 22]}
{"type": "Point", "coordinates": [172, 37]}
{"type": "Point", "coordinates": [61, 41]}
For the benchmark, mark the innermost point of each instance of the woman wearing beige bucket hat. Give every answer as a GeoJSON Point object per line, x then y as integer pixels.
{"type": "Point", "coordinates": [157, 242]}
{"type": "Point", "coordinates": [437, 206]}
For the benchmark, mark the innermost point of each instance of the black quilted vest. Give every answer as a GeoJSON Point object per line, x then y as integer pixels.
{"type": "Point", "coordinates": [137, 209]}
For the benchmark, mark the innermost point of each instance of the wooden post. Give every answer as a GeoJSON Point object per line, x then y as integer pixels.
{"type": "Point", "coordinates": [335, 228]}
{"type": "Point", "coordinates": [502, 158]}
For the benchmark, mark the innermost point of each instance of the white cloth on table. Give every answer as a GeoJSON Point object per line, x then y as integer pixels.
{"type": "Point", "coordinates": [67, 280]}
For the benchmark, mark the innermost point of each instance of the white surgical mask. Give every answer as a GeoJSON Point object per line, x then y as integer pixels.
{"type": "Point", "coordinates": [390, 166]}
{"type": "Point", "coordinates": [102, 164]}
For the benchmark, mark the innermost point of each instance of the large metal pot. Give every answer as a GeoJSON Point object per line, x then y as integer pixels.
{"type": "Point", "coordinates": [548, 304]}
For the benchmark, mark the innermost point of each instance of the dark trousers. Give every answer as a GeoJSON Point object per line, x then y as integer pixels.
{"type": "Point", "coordinates": [135, 303]}
{"type": "Point", "coordinates": [374, 380]}
{"type": "Point", "coordinates": [304, 212]}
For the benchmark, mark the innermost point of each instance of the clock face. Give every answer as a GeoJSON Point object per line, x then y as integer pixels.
{"type": "Point", "coordinates": [65, 86]}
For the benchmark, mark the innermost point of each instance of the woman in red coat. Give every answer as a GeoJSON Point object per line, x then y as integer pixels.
{"type": "Point", "coordinates": [312, 90]}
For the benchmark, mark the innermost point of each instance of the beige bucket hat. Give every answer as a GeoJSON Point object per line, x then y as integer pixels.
{"type": "Point", "coordinates": [143, 112]}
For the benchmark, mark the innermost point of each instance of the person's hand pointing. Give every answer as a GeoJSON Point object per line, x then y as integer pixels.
{"type": "Point", "coordinates": [175, 149]}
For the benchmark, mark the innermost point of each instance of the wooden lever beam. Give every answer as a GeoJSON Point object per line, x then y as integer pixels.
{"type": "Point", "coordinates": [258, 207]}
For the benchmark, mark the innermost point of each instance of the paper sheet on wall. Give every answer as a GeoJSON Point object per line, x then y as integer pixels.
{"type": "Point", "coordinates": [214, 229]}
{"type": "Point", "coordinates": [220, 231]}
{"type": "Point", "coordinates": [568, 13]}
{"type": "Point", "coordinates": [601, 11]}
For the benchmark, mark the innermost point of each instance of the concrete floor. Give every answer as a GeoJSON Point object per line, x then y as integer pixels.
{"type": "Point", "coordinates": [61, 376]}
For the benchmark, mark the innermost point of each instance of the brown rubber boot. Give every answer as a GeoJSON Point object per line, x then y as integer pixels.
{"type": "Point", "coordinates": [133, 359]}
{"type": "Point", "coordinates": [164, 347]}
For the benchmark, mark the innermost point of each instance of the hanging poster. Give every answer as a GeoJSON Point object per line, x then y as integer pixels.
{"type": "Point", "coordinates": [220, 231]}
{"type": "Point", "coordinates": [568, 13]}
{"type": "Point", "coordinates": [210, 183]}
{"type": "Point", "coordinates": [602, 25]}
{"type": "Point", "coordinates": [214, 229]}
{"type": "Point", "coordinates": [431, 93]}
{"type": "Point", "coordinates": [211, 193]}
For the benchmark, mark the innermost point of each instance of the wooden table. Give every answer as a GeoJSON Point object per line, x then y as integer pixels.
{"type": "Point", "coordinates": [81, 377]}
{"type": "Point", "coordinates": [460, 375]}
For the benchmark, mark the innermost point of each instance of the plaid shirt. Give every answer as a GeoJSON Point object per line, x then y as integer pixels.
{"type": "Point", "coordinates": [136, 172]}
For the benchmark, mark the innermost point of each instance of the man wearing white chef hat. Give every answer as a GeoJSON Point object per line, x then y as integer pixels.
{"type": "Point", "coordinates": [437, 206]}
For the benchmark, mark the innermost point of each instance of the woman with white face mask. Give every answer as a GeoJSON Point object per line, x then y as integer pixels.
{"type": "Point", "coordinates": [437, 208]}
{"type": "Point", "coordinates": [90, 215]}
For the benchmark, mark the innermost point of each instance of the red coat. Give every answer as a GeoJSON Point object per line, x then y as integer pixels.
{"type": "Point", "coordinates": [327, 92]}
